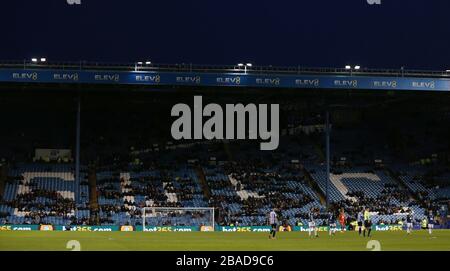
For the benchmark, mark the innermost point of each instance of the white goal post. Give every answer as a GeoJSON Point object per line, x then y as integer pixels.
{"type": "Point", "coordinates": [178, 216]}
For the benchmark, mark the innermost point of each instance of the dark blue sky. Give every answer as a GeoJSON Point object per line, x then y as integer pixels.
{"type": "Point", "coordinates": [319, 33]}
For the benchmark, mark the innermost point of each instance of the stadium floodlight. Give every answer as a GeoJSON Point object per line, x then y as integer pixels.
{"type": "Point", "coordinates": [148, 62]}
{"type": "Point", "coordinates": [37, 60]}
{"type": "Point", "coordinates": [245, 66]}
{"type": "Point", "coordinates": [447, 71]}
{"type": "Point", "coordinates": [357, 67]}
{"type": "Point", "coordinates": [348, 67]}
{"type": "Point", "coordinates": [136, 64]}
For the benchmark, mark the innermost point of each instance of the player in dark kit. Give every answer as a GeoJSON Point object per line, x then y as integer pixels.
{"type": "Point", "coordinates": [367, 223]}
{"type": "Point", "coordinates": [409, 222]}
{"type": "Point", "coordinates": [430, 220]}
{"type": "Point", "coordinates": [331, 223]}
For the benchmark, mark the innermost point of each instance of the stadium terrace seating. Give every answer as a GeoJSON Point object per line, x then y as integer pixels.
{"type": "Point", "coordinates": [246, 193]}
{"type": "Point", "coordinates": [46, 194]}
{"type": "Point", "coordinates": [122, 194]}
{"type": "Point", "coordinates": [429, 183]}
{"type": "Point", "coordinates": [412, 177]}
{"type": "Point", "coordinates": [319, 175]}
{"type": "Point", "coordinates": [355, 187]}
{"type": "Point", "coordinates": [442, 188]}
{"type": "Point", "coordinates": [243, 191]}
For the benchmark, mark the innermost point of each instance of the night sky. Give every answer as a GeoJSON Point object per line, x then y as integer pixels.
{"type": "Point", "coordinates": [310, 33]}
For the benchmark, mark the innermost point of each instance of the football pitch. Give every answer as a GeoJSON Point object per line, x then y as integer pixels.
{"type": "Point", "coordinates": [216, 241]}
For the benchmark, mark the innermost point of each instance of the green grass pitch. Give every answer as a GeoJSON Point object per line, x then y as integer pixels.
{"type": "Point", "coordinates": [192, 241]}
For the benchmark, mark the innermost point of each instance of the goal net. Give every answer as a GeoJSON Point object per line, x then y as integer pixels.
{"type": "Point", "coordinates": [178, 218]}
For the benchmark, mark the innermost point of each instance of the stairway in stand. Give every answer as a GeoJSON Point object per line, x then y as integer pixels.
{"type": "Point", "coordinates": [93, 197]}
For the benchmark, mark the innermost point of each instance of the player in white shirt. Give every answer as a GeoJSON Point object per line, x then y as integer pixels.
{"type": "Point", "coordinates": [273, 221]}
{"type": "Point", "coordinates": [312, 223]}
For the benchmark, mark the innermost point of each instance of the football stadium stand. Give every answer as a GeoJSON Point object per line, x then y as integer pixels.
{"type": "Point", "coordinates": [242, 192]}
{"type": "Point", "coordinates": [389, 153]}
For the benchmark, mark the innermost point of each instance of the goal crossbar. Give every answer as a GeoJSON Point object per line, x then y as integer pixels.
{"type": "Point", "coordinates": [172, 209]}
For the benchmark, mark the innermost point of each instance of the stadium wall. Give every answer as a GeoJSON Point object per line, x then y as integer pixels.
{"type": "Point", "coordinates": [237, 79]}
{"type": "Point", "coordinates": [186, 228]}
